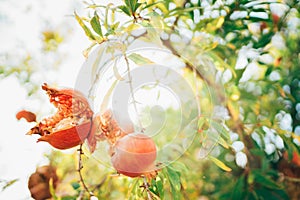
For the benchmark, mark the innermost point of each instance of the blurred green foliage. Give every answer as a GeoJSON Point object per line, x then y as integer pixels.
{"type": "Point", "coordinates": [254, 48]}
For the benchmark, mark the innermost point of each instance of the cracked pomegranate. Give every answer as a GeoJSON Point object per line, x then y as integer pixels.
{"type": "Point", "coordinates": [72, 122]}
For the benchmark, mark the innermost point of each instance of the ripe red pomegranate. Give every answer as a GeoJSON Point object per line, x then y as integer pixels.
{"type": "Point", "coordinates": [72, 122]}
{"type": "Point", "coordinates": [134, 155]}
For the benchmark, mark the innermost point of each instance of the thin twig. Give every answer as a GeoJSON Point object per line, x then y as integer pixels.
{"type": "Point", "coordinates": [132, 91]}
{"type": "Point", "coordinates": [149, 196]}
{"type": "Point", "coordinates": [189, 65]}
{"type": "Point", "coordinates": [96, 187]}
{"type": "Point", "coordinates": [80, 167]}
{"type": "Point", "coordinates": [196, 85]}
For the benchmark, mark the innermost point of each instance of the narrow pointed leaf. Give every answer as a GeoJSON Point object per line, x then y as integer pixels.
{"type": "Point", "coordinates": [139, 60]}
{"type": "Point", "coordinates": [84, 27]}
{"type": "Point", "coordinates": [220, 164]}
{"type": "Point", "coordinates": [116, 71]}
{"type": "Point", "coordinates": [9, 183]}
{"type": "Point", "coordinates": [106, 98]}
{"type": "Point", "coordinates": [125, 10]}
{"type": "Point", "coordinates": [95, 23]}
{"type": "Point", "coordinates": [265, 180]}
{"type": "Point", "coordinates": [131, 5]}
{"type": "Point", "coordinates": [152, 4]}
{"type": "Point", "coordinates": [221, 130]}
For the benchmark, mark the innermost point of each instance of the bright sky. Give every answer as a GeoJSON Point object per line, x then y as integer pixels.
{"type": "Point", "coordinates": [21, 23]}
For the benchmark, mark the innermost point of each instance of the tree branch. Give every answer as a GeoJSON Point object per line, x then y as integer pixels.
{"type": "Point", "coordinates": [80, 167]}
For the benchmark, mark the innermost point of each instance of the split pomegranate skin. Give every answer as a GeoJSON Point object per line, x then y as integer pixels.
{"type": "Point", "coordinates": [134, 155]}
{"type": "Point", "coordinates": [68, 138]}
{"type": "Point", "coordinates": [72, 122]}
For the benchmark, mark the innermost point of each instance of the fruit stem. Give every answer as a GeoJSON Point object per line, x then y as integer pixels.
{"type": "Point", "coordinates": [147, 188]}
{"type": "Point", "coordinates": [132, 92]}
{"type": "Point", "coordinates": [80, 167]}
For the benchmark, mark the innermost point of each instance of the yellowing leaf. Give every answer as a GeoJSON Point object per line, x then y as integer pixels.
{"type": "Point", "coordinates": [98, 60]}
{"type": "Point", "coordinates": [297, 137]}
{"type": "Point", "coordinates": [233, 110]}
{"type": "Point", "coordinates": [107, 97]}
{"type": "Point", "coordinates": [222, 142]}
{"type": "Point", "coordinates": [220, 164]}
{"type": "Point", "coordinates": [116, 71]}
{"type": "Point", "coordinates": [139, 60]}
{"type": "Point", "coordinates": [84, 27]}
{"type": "Point", "coordinates": [220, 22]}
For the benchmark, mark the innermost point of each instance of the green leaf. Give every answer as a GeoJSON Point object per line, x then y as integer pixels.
{"type": "Point", "coordinates": [221, 130]}
{"type": "Point", "coordinates": [160, 188]}
{"type": "Point", "coordinates": [264, 180]}
{"type": "Point", "coordinates": [125, 10]}
{"type": "Point", "coordinates": [238, 191]}
{"type": "Point", "coordinates": [264, 40]}
{"type": "Point", "coordinates": [9, 183]}
{"type": "Point", "coordinates": [201, 122]}
{"type": "Point", "coordinates": [152, 4]}
{"type": "Point", "coordinates": [156, 187]}
{"type": "Point", "coordinates": [137, 6]}
{"type": "Point", "coordinates": [75, 185]}
{"type": "Point", "coordinates": [257, 152]}
{"type": "Point", "coordinates": [115, 25]}
{"type": "Point", "coordinates": [182, 11]}
{"type": "Point", "coordinates": [220, 164]}
{"type": "Point", "coordinates": [222, 142]}
{"type": "Point", "coordinates": [139, 60]}
{"type": "Point", "coordinates": [131, 188]}
{"type": "Point", "coordinates": [84, 27]}
{"type": "Point", "coordinates": [133, 5]}
{"type": "Point", "coordinates": [95, 23]}
{"type": "Point", "coordinates": [175, 183]}
{"type": "Point", "coordinates": [68, 198]}
{"type": "Point", "coordinates": [174, 178]}
{"type": "Point", "coordinates": [180, 167]}
{"type": "Point", "coordinates": [265, 193]}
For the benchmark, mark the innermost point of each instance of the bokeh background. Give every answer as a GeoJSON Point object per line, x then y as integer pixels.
{"type": "Point", "coordinates": [256, 49]}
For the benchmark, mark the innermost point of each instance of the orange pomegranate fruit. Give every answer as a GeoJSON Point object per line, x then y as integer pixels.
{"type": "Point", "coordinates": [134, 155]}
{"type": "Point", "coordinates": [295, 158]}
{"type": "Point", "coordinates": [275, 18]}
{"type": "Point", "coordinates": [72, 122]}
{"type": "Point", "coordinates": [107, 127]}
{"type": "Point", "coordinates": [39, 182]}
{"type": "Point", "coordinates": [67, 138]}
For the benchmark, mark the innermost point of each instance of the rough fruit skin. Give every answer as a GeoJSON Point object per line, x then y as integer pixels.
{"type": "Point", "coordinates": [134, 155]}
{"type": "Point", "coordinates": [29, 116]}
{"type": "Point", "coordinates": [68, 138]}
{"type": "Point", "coordinates": [111, 129]}
{"type": "Point", "coordinates": [39, 182]}
{"type": "Point", "coordinates": [72, 122]}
